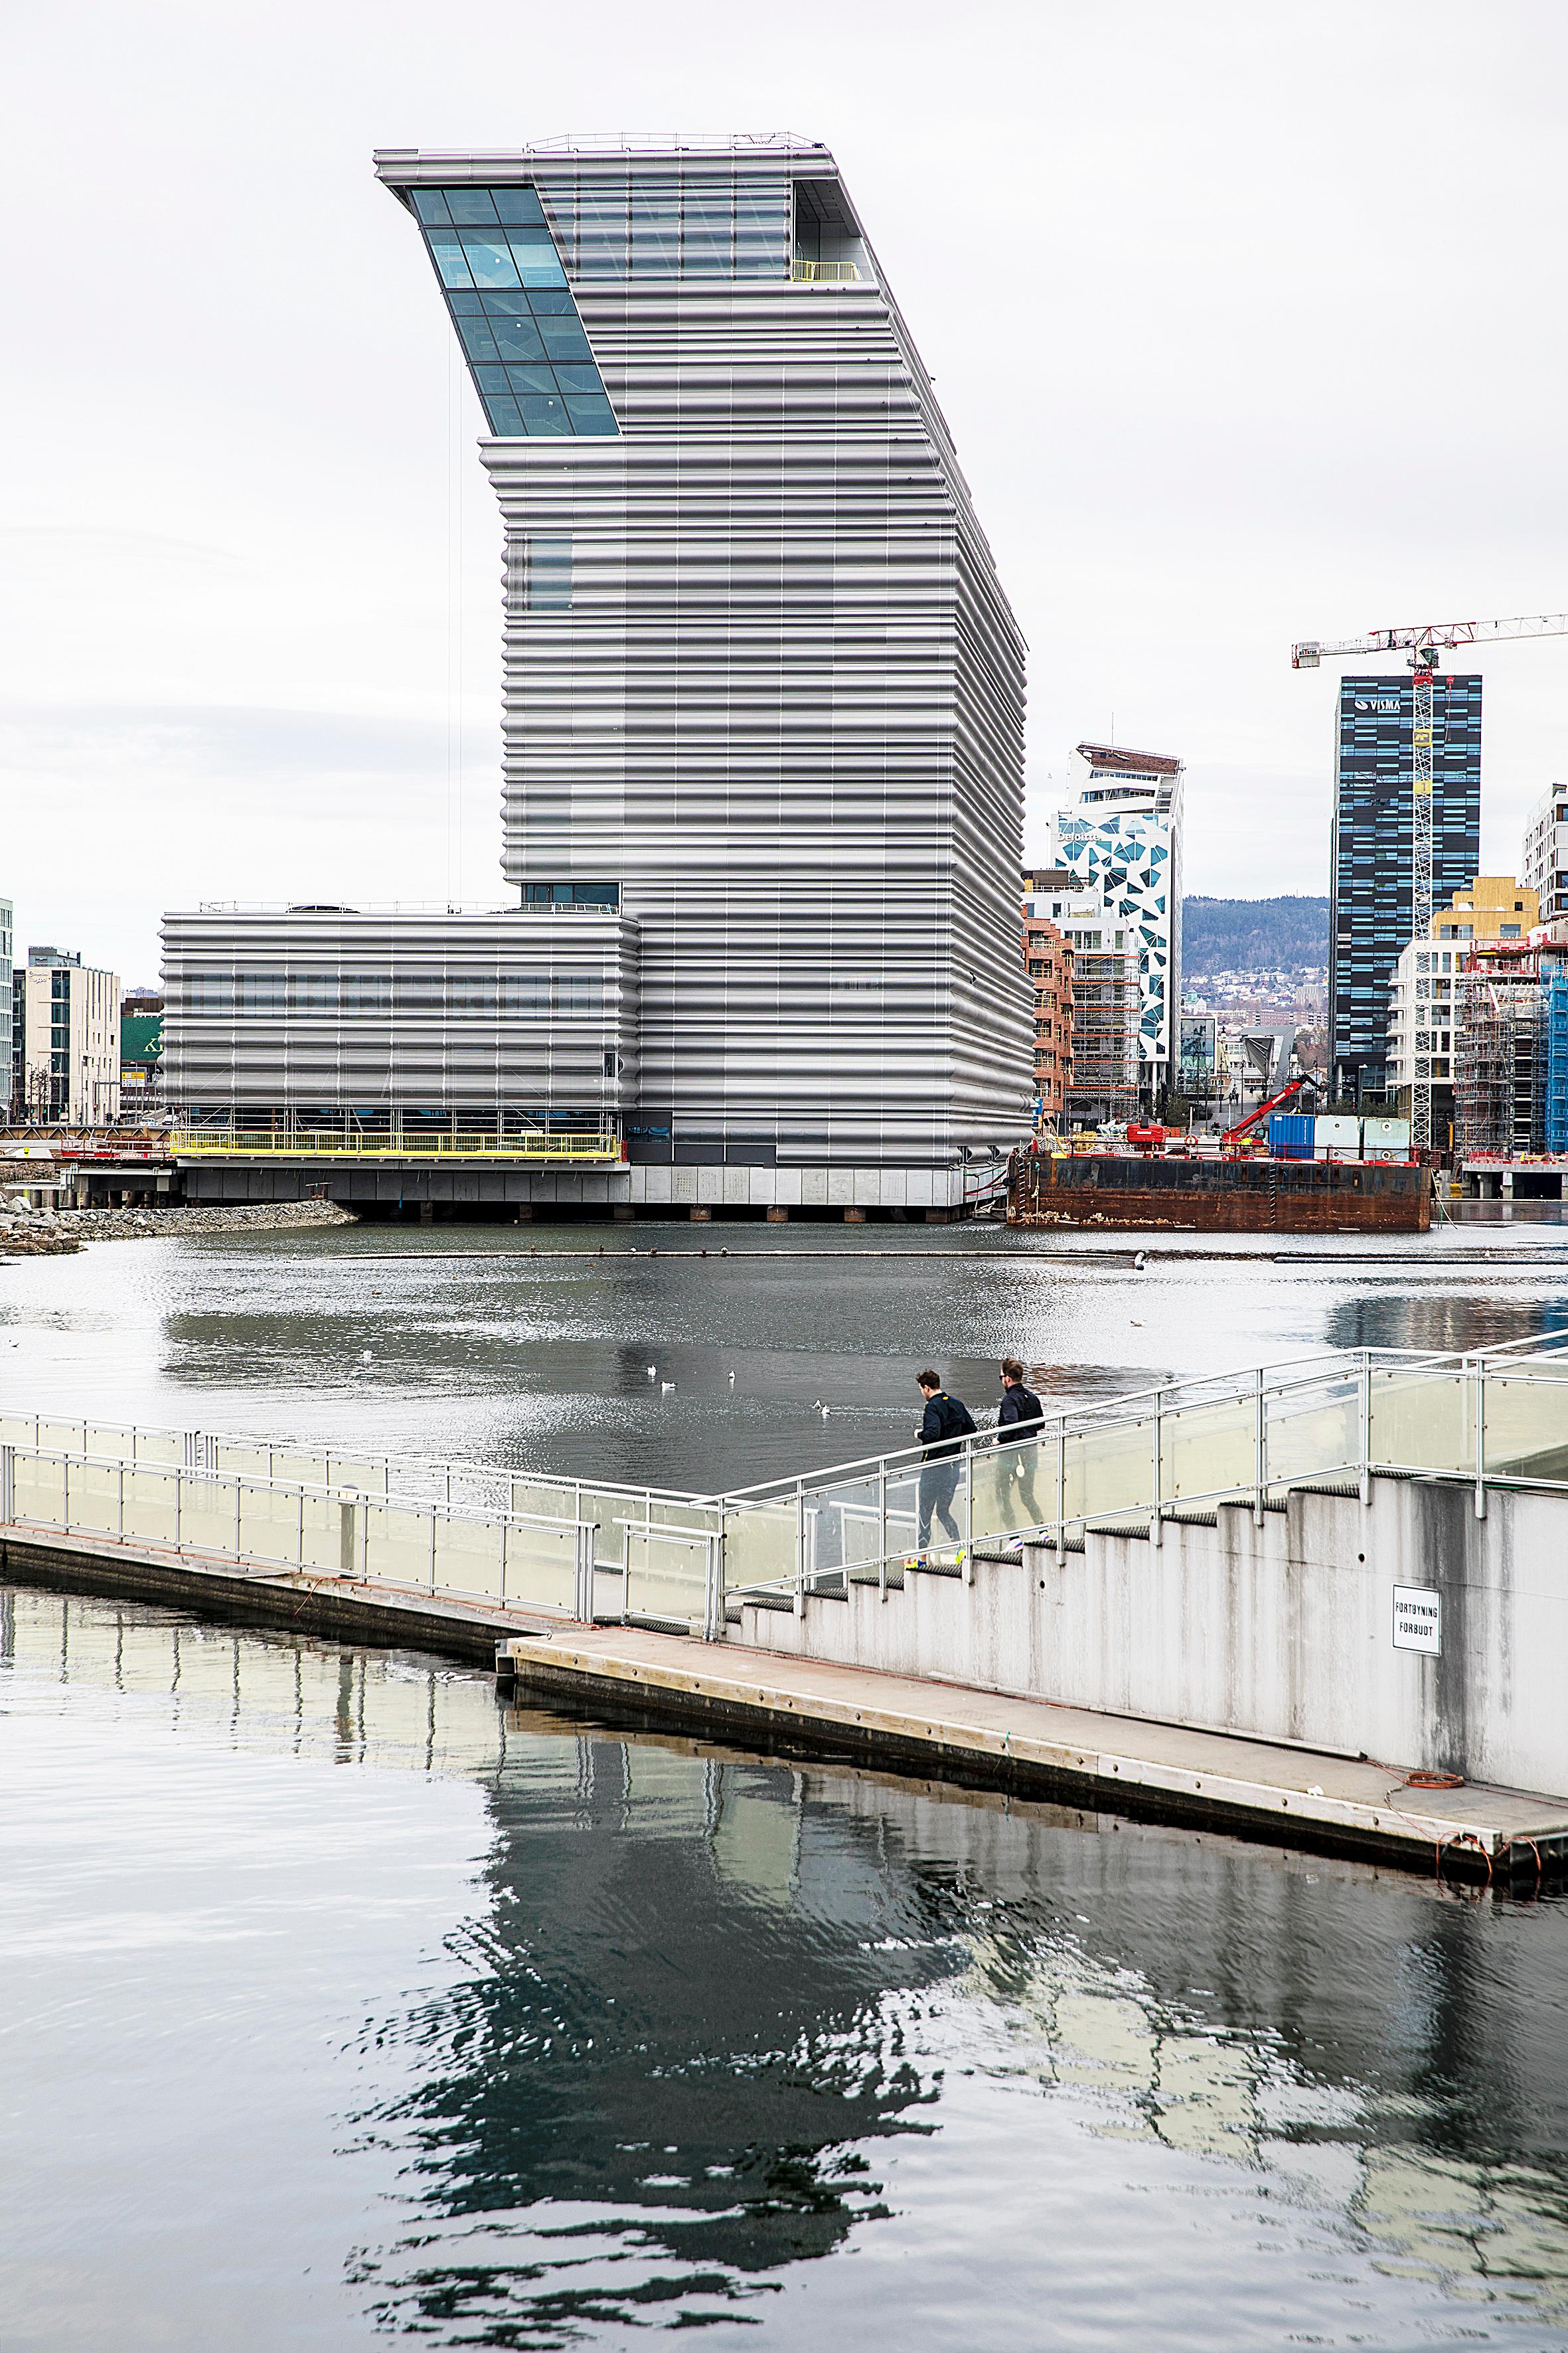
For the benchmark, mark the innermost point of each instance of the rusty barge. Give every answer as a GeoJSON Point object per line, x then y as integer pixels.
{"type": "Point", "coordinates": [1239, 1197]}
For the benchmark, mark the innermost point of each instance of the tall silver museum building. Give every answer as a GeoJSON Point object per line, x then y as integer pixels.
{"type": "Point", "coordinates": [764, 713]}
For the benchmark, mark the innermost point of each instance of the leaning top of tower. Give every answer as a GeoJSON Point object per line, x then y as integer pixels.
{"type": "Point", "coordinates": [546, 231]}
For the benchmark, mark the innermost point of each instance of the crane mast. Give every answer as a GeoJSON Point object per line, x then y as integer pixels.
{"type": "Point", "coordinates": [1422, 642]}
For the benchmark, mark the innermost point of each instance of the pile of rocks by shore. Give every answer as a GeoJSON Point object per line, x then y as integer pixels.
{"type": "Point", "coordinates": [29, 1232]}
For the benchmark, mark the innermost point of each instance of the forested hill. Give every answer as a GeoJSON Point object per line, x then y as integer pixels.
{"type": "Point", "coordinates": [1253, 934]}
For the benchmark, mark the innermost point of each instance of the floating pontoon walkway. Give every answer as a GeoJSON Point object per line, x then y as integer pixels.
{"type": "Point", "coordinates": [1300, 1796]}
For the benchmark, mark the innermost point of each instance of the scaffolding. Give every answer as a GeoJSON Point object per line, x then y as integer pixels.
{"type": "Point", "coordinates": [1501, 1055]}
{"type": "Point", "coordinates": [1106, 1015]}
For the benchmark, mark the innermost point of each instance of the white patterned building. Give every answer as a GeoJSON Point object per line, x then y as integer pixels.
{"type": "Point", "coordinates": [1123, 839]}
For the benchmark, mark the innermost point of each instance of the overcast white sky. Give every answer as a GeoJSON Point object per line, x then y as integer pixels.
{"type": "Point", "coordinates": [1248, 319]}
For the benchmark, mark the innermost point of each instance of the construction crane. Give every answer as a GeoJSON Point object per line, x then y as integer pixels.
{"type": "Point", "coordinates": [1244, 1127]}
{"type": "Point", "coordinates": [1421, 645]}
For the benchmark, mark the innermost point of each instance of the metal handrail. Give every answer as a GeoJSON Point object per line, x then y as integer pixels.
{"type": "Point", "coordinates": [1332, 1384]}
{"type": "Point", "coordinates": [1135, 1406]}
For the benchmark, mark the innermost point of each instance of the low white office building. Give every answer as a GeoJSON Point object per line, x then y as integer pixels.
{"type": "Point", "coordinates": [1545, 864]}
{"type": "Point", "coordinates": [65, 1040]}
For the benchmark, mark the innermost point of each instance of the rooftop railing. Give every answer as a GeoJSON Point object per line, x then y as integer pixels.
{"type": "Point", "coordinates": [536, 1147]}
{"type": "Point", "coordinates": [823, 273]}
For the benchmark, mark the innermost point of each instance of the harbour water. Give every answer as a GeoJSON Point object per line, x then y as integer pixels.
{"type": "Point", "coordinates": [342, 2004]}
{"type": "Point", "coordinates": [530, 1347]}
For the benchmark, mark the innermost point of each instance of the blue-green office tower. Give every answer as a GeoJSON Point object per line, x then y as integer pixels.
{"type": "Point", "coordinates": [1370, 877]}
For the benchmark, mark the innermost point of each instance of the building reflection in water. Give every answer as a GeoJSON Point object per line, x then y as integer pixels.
{"type": "Point", "coordinates": [711, 1995]}
{"type": "Point", "coordinates": [1447, 1323]}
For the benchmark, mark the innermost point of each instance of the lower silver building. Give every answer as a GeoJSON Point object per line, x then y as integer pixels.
{"type": "Point", "coordinates": [289, 1019]}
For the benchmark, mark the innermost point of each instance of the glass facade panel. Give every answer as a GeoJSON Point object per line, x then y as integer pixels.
{"type": "Point", "coordinates": [510, 302]}
{"type": "Point", "coordinates": [706, 222]}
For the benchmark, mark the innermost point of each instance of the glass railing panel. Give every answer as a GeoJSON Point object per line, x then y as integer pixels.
{"type": "Point", "coordinates": [1312, 1431]}
{"type": "Point", "coordinates": [18, 1430]}
{"type": "Point", "coordinates": [1208, 1449]}
{"type": "Point", "coordinates": [1526, 1432]}
{"type": "Point", "coordinates": [540, 1566]}
{"type": "Point", "coordinates": [677, 1512]}
{"type": "Point", "coordinates": [269, 1524]}
{"type": "Point", "coordinates": [108, 1442]}
{"type": "Point", "coordinates": [759, 1544]}
{"type": "Point", "coordinates": [397, 1544]}
{"type": "Point", "coordinates": [927, 1509]}
{"type": "Point", "coordinates": [63, 1437]}
{"type": "Point", "coordinates": [1118, 1469]}
{"type": "Point", "coordinates": [207, 1511]}
{"type": "Point", "coordinates": [1423, 1422]}
{"type": "Point", "coordinates": [470, 1487]}
{"type": "Point", "coordinates": [667, 1577]}
{"type": "Point", "coordinates": [321, 1534]}
{"type": "Point", "coordinates": [92, 1498]}
{"type": "Point", "coordinates": [1014, 1487]}
{"type": "Point", "coordinates": [159, 1446]}
{"type": "Point", "coordinates": [152, 1504]}
{"type": "Point", "coordinates": [39, 1489]}
{"type": "Point", "coordinates": [241, 1458]}
{"type": "Point", "coordinates": [469, 1556]}
{"type": "Point", "coordinates": [366, 1472]}
{"type": "Point", "coordinates": [843, 1528]}
{"type": "Point", "coordinates": [545, 1499]}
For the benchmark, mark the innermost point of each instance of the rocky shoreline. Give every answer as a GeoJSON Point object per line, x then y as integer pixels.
{"type": "Point", "coordinates": [27, 1232]}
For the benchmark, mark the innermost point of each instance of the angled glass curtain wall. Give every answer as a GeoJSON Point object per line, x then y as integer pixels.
{"type": "Point", "coordinates": [513, 310]}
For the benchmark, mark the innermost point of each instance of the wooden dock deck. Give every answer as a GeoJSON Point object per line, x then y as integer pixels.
{"type": "Point", "coordinates": [1125, 1764]}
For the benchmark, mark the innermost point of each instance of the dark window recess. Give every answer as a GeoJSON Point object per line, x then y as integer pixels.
{"type": "Point", "coordinates": [541, 570]}
{"type": "Point", "coordinates": [571, 894]}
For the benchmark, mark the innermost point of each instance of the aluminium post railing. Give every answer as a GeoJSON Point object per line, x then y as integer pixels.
{"type": "Point", "coordinates": [290, 1527]}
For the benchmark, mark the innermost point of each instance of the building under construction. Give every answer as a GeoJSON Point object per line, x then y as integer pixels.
{"type": "Point", "coordinates": [1105, 1017]}
{"type": "Point", "coordinates": [1501, 1055]}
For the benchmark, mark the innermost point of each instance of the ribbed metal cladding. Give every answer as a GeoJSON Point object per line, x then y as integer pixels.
{"type": "Point", "coordinates": [780, 702]}
{"type": "Point", "coordinates": [501, 1018]}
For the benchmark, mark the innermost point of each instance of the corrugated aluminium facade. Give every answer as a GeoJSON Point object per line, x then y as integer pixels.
{"type": "Point", "coordinates": [322, 1014]}
{"type": "Point", "coordinates": [763, 689]}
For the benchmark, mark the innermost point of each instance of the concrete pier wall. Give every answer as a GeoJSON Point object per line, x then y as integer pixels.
{"type": "Point", "coordinates": [1284, 1631]}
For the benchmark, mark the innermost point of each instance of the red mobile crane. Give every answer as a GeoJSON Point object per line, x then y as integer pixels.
{"type": "Point", "coordinates": [1244, 1127]}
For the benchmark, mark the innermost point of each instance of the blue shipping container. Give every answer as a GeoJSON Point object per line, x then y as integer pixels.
{"type": "Point", "coordinates": [1291, 1135]}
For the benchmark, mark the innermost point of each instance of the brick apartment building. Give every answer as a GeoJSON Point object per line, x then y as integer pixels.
{"type": "Point", "coordinates": [1049, 961]}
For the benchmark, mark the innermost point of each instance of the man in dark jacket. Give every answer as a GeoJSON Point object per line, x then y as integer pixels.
{"type": "Point", "coordinates": [1021, 1417]}
{"type": "Point", "coordinates": [945, 1423]}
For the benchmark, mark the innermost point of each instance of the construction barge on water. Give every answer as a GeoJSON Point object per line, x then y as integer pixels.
{"type": "Point", "coordinates": [1302, 1174]}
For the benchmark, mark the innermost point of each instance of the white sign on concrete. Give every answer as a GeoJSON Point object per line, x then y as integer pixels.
{"type": "Point", "coordinates": [1419, 1619]}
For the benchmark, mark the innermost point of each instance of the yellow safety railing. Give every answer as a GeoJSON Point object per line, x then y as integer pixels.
{"type": "Point", "coordinates": [824, 273]}
{"type": "Point", "coordinates": [599, 1147]}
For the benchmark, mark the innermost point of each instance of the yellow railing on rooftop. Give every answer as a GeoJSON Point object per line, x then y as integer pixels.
{"type": "Point", "coordinates": [603, 1147]}
{"type": "Point", "coordinates": [824, 273]}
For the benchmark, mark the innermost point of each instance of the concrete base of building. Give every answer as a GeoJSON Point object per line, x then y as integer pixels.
{"type": "Point", "coordinates": [426, 1191]}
